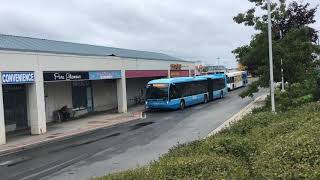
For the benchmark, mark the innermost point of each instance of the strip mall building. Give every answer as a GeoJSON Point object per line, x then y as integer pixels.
{"type": "Point", "coordinates": [41, 76]}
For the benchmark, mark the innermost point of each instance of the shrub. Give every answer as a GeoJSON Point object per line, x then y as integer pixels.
{"type": "Point", "coordinates": [262, 145]}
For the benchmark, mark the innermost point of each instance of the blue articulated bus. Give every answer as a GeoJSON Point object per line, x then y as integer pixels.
{"type": "Point", "coordinates": [177, 93]}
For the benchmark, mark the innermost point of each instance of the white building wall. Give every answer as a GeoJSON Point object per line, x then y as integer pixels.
{"type": "Point", "coordinates": [78, 63]}
{"type": "Point", "coordinates": [104, 95]}
{"type": "Point", "coordinates": [57, 95]}
{"type": "Point", "coordinates": [10, 61]}
{"type": "Point", "coordinates": [147, 64]}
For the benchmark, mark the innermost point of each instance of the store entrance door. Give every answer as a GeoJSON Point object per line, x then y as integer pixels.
{"type": "Point", "coordinates": [15, 107]}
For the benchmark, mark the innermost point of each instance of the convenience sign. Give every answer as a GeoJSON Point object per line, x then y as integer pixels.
{"type": "Point", "coordinates": [17, 77]}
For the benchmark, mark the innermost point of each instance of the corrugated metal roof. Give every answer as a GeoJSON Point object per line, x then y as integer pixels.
{"type": "Point", "coordinates": [28, 44]}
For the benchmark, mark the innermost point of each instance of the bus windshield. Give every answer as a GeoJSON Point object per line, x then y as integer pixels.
{"type": "Point", "coordinates": [157, 91]}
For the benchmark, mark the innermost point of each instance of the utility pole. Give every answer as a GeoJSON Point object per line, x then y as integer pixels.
{"type": "Point", "coordinates": [282, 78]}
{"type": "Point", "coordinates": [273, 108]}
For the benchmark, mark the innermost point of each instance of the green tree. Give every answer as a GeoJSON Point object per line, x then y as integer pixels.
{"type": "Point", "coordinates": [296, 46]}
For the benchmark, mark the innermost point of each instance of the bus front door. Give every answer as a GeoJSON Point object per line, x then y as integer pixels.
{"type": "Point", "coordinates": [210, 89]}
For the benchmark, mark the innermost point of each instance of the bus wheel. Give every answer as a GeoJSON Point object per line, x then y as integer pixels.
{"type": "Point", "coordinates": [182, 105]}
{"type": "Point", "coordinates": [205, 99]}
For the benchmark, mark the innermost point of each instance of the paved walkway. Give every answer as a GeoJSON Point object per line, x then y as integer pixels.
{"type": "Point", "coordinates": [67, 129]}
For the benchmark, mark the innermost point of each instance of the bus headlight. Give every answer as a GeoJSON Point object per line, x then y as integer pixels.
{"type": "Point", "coordinates": [146, 102]}
{"type": "Point", "coordinates": [167, 102]}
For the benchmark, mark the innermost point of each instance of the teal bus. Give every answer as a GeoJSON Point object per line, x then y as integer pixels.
{"type": "Point", "coordinates": [178, 93]}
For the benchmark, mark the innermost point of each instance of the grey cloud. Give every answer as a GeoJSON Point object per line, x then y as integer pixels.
{"type": "Point", "coordinates": [195, 30]}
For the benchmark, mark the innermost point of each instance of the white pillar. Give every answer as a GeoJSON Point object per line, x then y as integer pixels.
{"type": "Point", "coordinates": [122, 93]}
{"type": "Point", "coordinates": [36, 105]}
{"type": "Point", "coordinates": [2, 122]}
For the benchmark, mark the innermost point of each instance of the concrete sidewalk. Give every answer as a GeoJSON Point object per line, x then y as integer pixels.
{"type": "Point", "coordinates": [65, 130]}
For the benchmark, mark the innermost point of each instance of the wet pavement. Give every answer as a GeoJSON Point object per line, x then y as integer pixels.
{"type": "Point", "coordinates": [120, 147]}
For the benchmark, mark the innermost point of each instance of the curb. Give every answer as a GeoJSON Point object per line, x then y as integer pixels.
{"type": "Point", "coordinates": [238, 115]}
{"type": "Point", "coordinates": [64, 137]}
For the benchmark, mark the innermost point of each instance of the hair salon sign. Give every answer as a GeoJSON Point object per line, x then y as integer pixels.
{"type": "Point", "coordinates": [65, 76]}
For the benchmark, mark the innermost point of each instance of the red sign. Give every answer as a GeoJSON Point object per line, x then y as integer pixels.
{"type": "Point", "coordinates": [175, 66]}
{"type": "Point", "coordinates": [146, 73]}
{"type": "Point", "coordinates": [181, 73]}
{"type": "Point", "coordinates": [199, 67]}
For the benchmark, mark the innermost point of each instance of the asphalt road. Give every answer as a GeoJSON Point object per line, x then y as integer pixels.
{"type": "Point", "coordinates": [120, 147]}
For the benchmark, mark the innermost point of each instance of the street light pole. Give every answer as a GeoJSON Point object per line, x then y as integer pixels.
{"type": "Point", "coordinates": [282, 78]}
{"type": "Point", "coordinates": [270, 57]}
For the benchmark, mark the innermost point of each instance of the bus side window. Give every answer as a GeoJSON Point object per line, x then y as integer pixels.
{"type": "Point", "coordinates": [215, 83]}
{"type": "Point", "coordinates": [172, 92]}
{"type": "Point", "coordinates": [187, 89]}
{"type": "Point", "coordinates": [204, 86]}
{"type": "Point", "coordinates": [175, 92]}
{"type": "Point", "coordinates": [195, 88]}
{"type": "Point", "coordinates": [222, 83]}
{"type": "Point", "coordinates": [180, 90]}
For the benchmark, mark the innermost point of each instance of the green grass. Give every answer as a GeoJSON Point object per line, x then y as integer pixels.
{"type": "Point", "coordinates": [260, 146]}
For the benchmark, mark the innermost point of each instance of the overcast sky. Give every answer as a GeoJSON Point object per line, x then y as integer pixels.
{"type": "Point", "coordinates": [189, 29]}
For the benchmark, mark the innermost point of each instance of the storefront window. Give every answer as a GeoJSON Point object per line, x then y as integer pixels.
{"type": "Point", "coordinates": [81, 95]}
{"type": "Point", "coordinates": [15, 109]}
